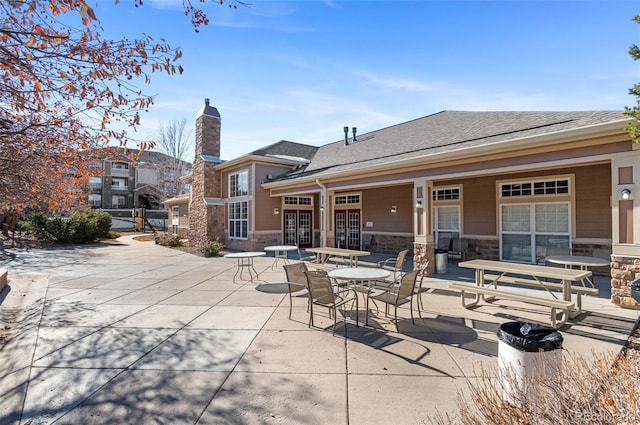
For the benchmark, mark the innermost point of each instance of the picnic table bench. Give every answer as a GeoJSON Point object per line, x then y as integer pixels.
{"type": "Point", "coordinates": [502, 272]}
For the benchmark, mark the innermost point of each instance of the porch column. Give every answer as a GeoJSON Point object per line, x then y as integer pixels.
{"type": "Point", "coordinates": [423, 247]}
{"type": "Point", "coordinates": [625, 209]}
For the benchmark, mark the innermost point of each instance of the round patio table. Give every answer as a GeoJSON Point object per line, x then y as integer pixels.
{"type": "Point", "coordinates": [280, 253]}
{"type": "Point", "coordinates": [358, 276]}
{"type": "Point", "coordinates": [245, 261]}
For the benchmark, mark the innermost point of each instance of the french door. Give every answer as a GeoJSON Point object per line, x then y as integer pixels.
{"type": "Point", "coordinates": [298, 228]}
{"type": "Point", "coordinates": [347, 225]}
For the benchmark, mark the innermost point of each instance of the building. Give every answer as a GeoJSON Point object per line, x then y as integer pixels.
{"type": "Point", "coordinates": [125, 183]}
{"type": "Point", "coordinates": [510, 184]}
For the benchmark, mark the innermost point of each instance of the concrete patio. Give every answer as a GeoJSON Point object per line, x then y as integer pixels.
{"type": "Point", "coordinates": [132, 332]}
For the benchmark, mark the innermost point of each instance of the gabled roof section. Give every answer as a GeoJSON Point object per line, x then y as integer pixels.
{"type": "Point", "coordinates": [446, 131]}
{"type": "Point", "coordinates": [284, 152]}
{"type": "Point", "coordinates": [287, 150]}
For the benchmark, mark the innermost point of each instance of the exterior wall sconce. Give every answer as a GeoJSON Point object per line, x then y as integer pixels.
{"type": "Point", "coordinates": [393, 209]}
{"type": "Point", "coordinates": [321, 207]}
{"type": "Point", "coordinates": [418, 204]}
{"type": "Point", "coordinates": [626, 194]}
{"type": "Point", "coordinates": [276, 211]}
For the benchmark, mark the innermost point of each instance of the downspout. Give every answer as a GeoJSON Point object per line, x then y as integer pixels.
{"type": "Point", "coordinates": [323, 215]}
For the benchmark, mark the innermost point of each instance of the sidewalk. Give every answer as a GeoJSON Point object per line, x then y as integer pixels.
{"type": "Point", "coordinates": [137, 333]}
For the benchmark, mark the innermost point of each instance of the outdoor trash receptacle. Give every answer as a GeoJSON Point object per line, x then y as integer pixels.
{"type": "Point", "coordinates": [441, 260]}
{"type": "Point", "coordinates": [527, 352]}
{"type": "Point", "coordinates": [635, 290]}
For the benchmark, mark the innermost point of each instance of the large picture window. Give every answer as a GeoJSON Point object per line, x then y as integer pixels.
{"type": "Point", "coordinates": [529, 229]}
{"type": "Point", "coordinates": [238, 220]}
{"type": "Point", "coordinates": [239, 184]}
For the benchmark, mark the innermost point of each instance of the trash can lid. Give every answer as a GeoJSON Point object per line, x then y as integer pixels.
{"type": "Point", "coordinates": [441, 251]}
{"type": "Point", "coordinates": [530, 337]}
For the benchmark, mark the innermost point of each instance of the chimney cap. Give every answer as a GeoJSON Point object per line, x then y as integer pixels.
{"type": "Point", "coordinates": [208, 110]}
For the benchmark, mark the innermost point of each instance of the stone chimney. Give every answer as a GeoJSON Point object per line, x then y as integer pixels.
{"type": "Point", "coordinates": [206, 210]}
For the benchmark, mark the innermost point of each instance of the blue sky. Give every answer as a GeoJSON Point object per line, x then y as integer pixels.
{"type": "Point", "coordinates": [302, 70]}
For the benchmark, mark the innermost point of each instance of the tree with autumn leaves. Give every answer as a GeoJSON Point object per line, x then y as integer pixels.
{"type": "Point", "coordinates": [67, 92]}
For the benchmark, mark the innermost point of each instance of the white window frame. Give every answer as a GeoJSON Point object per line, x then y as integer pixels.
{"type": "Point", "coordinates": [241, 178]}
{"type": "Point", "coordinates": [175, 219]}
{"type": "Point", "coordinates": [446, 197]}
{"type": "Point", "coordinates": [533, 232]}
{"type": "Point", "coordinates": [534, 193]}
{"type": "Point", "coordinates": [238, 220]}
{"type": "Point", "coordinates": [452, 233]}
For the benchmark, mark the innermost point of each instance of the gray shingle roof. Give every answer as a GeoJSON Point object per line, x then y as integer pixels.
{"type": "Point", "coordinates": [446, 131]}
{"type": "Point", "coordinates": [285, 149]}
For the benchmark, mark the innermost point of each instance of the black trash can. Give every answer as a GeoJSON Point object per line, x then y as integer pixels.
{"type": "Point", "coordinates": [441, 260]}
{"type": "Point", "coordinates": [527, 351]}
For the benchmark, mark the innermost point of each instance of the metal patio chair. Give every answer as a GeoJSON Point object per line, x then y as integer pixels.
{"type": "Point", "coordinates": [322, 293]}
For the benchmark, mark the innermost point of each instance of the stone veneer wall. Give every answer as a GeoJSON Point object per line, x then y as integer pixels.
{"type": "Point", "coordinates": [623, 271]}
{"type": "Point", "coordinates": [421, 253]}
{"type": "Point", "coordinates": [390, 244]}
{"type": "Point", "coordinates": [206, 222]}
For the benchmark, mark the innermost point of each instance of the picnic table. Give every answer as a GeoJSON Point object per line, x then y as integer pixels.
{"type": "Point", "coordinates": [493, 277]}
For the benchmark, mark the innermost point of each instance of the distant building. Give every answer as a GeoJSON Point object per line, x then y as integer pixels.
{"type": "Point", "coordinates": [125, 183]}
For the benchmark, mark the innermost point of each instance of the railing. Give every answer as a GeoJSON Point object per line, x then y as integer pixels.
{"type": "Point", "coordinates": [119, 172]}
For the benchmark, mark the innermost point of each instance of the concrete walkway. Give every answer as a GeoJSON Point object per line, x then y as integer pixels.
{"type": "Point", "coordinates": [132, 332]}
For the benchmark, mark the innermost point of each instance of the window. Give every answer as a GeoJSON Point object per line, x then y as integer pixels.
{"type": "Point", "coordinates": [347, 199]}
{"type": "Point", "coordinates": [120, 166]}
{"type": "Point", "coordinates": [238, 220]}
{"type": "Point", "coordinates": [534, 223]}
{"type": "Point", "coordinates": [95, 200]}
{"type": "Point", "coordinates": [239, 184]}
{"type": "Point", "coordinates": [535, 188]}
{"type": "Point", "coordinates": [297, 200]}
{"type": "Point", "coordinates": [118, 201]}
{"type": "Point", "coordinates": [446, 215]}
{"type": "Point", "coordinates": [447, 194]}
{"type": "Point", "coordinates": [120, 169]}
{"type": "Point", "coordinates": [118, 183]}
{"type": "Point", "coordinates": [446, 224]}
{"type": "Point", "coordinates": [528, 229]}
{"type": "Point", "coordinates": [95, 182]}
{"type": "Point", "coordinates": [175, 219]}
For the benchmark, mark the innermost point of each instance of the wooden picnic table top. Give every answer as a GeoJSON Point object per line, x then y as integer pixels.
{"type": "Point", "coordinates": [526, 269]}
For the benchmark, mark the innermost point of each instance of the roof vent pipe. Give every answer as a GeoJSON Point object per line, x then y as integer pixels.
{"type": "Point", "coordinates": [354, 134]}
{"type": "Point", "coordinates": [346, 136]}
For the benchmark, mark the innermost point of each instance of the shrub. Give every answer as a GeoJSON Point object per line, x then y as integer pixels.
{"type": "Point", "coordinates": [604, 390]}
{"type": "Point", "coordinates": [212, 249]}
{"type": "Point", "coordinates": [168, 240]}
{"type": "Point", "coordinates": [78, 227]}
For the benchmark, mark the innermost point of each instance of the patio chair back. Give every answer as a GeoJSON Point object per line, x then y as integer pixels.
{"type": "Point", "coordinates": [396, 296]}
{"type": "Point", "coordinates": [296, 281]}
{"type": "Point", "coordinates": [321, 293]}
{"type": "Point", "coordinates": [320, 289]}
{"type": "Point", "coordinates": [295, 273]}
{"type": "Point", "coordinates": [395, 264]}
{"type": "Point", "coordinates": [407, 285]}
